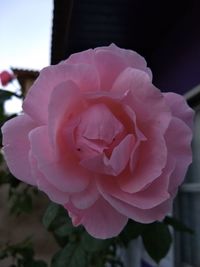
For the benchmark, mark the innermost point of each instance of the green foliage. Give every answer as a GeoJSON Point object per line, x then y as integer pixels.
{"type": "Point", "coordinates": [157, 240]}
{"type": "Point", "coordinates": [132, 231]}
{"type": "Point", "coordinates": [6, 95]}
{"type": "Point", "coordinates": [50, 215]}
{"type": "Point", "coordinates": [91, 244]}
{"type": "Point", "coordinates": [64, 230]}
{"type": "Point", "coordinates": [20, 201]}
{"type": "Point", "coordinates": [8, 178]}
{"type": "Point", "coordinates": [78, 248]}
{"type": "Point", "coordinates": [19, 194]}
{"type": "Point", "coordinates": [177, 225]}
{"type": "Point", "coordinates": [21, 255]}
{"type": "Point", "coordinates": [72, 255]}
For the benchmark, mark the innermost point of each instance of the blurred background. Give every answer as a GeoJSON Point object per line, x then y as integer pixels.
{"type": "Point", "coordinates": [25, 48]}
{"type": "Point", "coordinates": [26, 29]}
{"type": "Point", "coordinates": [25, 34]}
{"type": "Point", "coordinates": [37, 33]}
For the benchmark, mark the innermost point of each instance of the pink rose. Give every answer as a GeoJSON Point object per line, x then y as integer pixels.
{"type": "Point", "coordinates": [99, 138]}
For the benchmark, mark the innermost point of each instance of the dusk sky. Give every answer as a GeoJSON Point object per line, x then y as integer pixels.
{"type": "Point", "coordinates": [25, 38]}
{"type": "Point", "coordinates": [25, 33]}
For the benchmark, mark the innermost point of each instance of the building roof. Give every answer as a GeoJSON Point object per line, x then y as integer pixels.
{"type": "Point", "coordinates": [21, 73]}
{"type": "Point", "coordinates": [25, 78]}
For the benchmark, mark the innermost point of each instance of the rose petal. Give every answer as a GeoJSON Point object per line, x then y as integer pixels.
{"type": "Point", "coordinates": [65, 176]}
{"type": "Point", "coordinates": [151, 159]}
{"type": "Point", "coordinates": [100, 220]}
{"type": "Point", "coordinates": [104, 60]}
{"type": "Point", "coordinates": [64, 103]}
{"type": "Point", "coordinates": [86, 198]}
{"type": "Point", "coordinates": [94, 97]}
{"type": "Point", "coordinates": [116, 163]}
{"type": "Point", "coordinates": [180, 152]}
{"type": "Point", "coordinates": [16, 147]}
{"type": "Point", "coordinates": [152, 196]}
{"type": "Point", "coordinates": [119, 110]}
{"type": "Point", "coordinates": [121, 154]}
{"type": "Point", "coordinates": [85, 57]}
{"type": "Point", "coordinates": [139, 138]}
{"type": "Point", "coordinates": [98, 123]}
{"type": "Point", "coordinates": [37, 99]}
{"type": "Point", "coordinates": [138, 214]}
{"type": "Point", "coordinates": [132, 58]}
{"type": "Point", "coordinates": [52, 192]}
{"type": "Point", "coordinates": [179, 108]}
{"type": "Point", "coordinates": [137, 91]}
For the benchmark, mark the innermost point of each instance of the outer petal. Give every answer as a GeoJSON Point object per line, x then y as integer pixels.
{"type": "Point", "coordinates": [132, 58]}
{"type": "Point", "coordinates": [151, 158]}
{"type": "Point", "coordinates": [85, 57]}
{"type": "Point", "coordinates": [155, 193]}
{"type": "Point", "coordinates": [179, 108]}
{"type": "Point", "coordinates": [65, 176]}
{"type": "Point", "coordinates": [178, 138]}
{"type": "Point", "coordinates": [53, 193]}
{"type": "Point", "coordinates": [100, 220]}
{"type": "Point", "coordinates": [64, 103]}
{"type": "Point", "coordinates": [111, 61]}
{"type": "Point", "coordinates": [137, 214]}
{"type": "Point", "coordinates": [109, 67]}
{"type": "Point", "coordinates": [146, 199]}
{"type": "Point", "coordinates": [137, 91]}
{"type": "Point", "coordinates": [104, 57]}
{"type": "Point", "coordinates": [86, 198]}
{"type": "Point", "coordinates": [37, 99]}
{"type": "Point", "coordinates": [16, 147]}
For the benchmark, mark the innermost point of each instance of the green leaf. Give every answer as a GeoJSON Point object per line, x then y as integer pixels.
{"type": "Point", "coordinates": [63, 233]}
{"type": "Point", "coordinates": [131, 231]}
{"type": "Point", "coordinates": [26, 203]}
{"type": "Point", "coordinates": [177, 225]}
{"type": "Point", "coordinates": [50, 214]}
{"type": "Point", "coordinates": [3, 178]}
{"type": "Point", "coordinates": [64, 230]}
{"type": "Point", "coordinates": [72, 255]}
{"type": "Point", "coordinates": [22, 254]}
{"type": "Point", "coordinates": [26, 252]}
{"type": "Point", "coordinates": [157, 240]}
{"type": "Point", "coordinates": [3, 254]}
{"type": "Point", "coordinates": [91, 244]}
{"type": "Point", "coordinates": [14, 182]}
{"type": "Point", "coordinates": [60, 219]}
{"type": "Point", "coordinates": [24, 249]}
{"type": "Point", "coordinates": [5, 95]}
{"type": "Point", "coordinates": [20, 202]}
{"type": "Point", "coordinates": [36, 263]}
